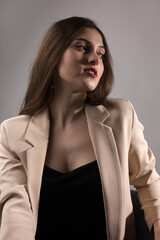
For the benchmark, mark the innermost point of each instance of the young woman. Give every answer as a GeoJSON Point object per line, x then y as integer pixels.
{"type": "Point", "coordinates": [67, 161]}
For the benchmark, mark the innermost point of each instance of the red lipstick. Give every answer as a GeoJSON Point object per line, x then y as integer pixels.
{"type": "Point", "coordinates": [91, 72]}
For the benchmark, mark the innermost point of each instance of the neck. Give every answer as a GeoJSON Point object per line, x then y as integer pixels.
{"type": "Point", "coordinates": [67, 106]}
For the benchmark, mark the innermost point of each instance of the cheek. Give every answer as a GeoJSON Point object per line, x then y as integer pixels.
{"type": "Point", "coordinates": [67, 64]}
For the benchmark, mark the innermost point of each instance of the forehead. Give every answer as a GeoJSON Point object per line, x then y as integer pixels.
{"type": "Point", "coordinates": [92, 35]}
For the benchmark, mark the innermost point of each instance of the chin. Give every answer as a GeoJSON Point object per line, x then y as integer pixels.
{"type": "Point", "coordinates": [91, 87]}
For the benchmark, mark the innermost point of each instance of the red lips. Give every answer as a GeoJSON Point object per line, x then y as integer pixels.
{"type": "Point", "coordinates": [91, 71]}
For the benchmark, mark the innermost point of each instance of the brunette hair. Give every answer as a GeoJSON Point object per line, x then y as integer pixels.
{"type": "Point", "coordinates": [40, 90]}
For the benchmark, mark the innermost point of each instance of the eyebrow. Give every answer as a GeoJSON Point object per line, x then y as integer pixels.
{"type": "Point", "coordinates": [85, 40]}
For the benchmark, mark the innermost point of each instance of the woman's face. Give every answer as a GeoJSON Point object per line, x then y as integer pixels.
{"type": "Point", "coordinates": [82, 62]}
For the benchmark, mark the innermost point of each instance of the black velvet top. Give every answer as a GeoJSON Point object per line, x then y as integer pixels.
{"type": "Point", "coordinates": [71, 205]}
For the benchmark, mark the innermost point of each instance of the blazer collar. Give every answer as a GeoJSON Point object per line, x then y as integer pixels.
{"type": "Point", "coordinates": [38, 127]}
{"type": "Point", "coordinates": [96, 113]}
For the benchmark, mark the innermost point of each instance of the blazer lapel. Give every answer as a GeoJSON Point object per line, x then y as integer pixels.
{"type": "Point", "coordinates": [36, 139]}
{"type": "Point", "coordinates": [109, 166]}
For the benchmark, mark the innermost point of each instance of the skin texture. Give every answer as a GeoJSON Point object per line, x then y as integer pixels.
{"type": "Point", "coordinates": [80, 55]}
{"type": "Point", "coordinates": [68, 148]}
{"type": "Point", "coordinates": [72, 83]}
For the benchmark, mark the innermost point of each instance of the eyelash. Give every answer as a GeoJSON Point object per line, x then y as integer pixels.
{"type": "Point", "coordinates": [84, 48]}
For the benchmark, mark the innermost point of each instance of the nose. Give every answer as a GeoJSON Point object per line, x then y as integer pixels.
{"type": "Point", "coordinates": [93, 59]}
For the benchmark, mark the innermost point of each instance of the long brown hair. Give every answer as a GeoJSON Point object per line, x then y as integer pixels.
{"type": "Point", "coordinates": [40, 91]}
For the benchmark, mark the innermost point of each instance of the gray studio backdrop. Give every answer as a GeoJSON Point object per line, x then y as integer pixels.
{"type": "Point", "coordinates": [132, 31]}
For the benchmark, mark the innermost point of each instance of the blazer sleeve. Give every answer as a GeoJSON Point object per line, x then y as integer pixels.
{"type": "Point", "coordinates": [16, 217]}
{"type": "Point", "coordinates": [142, 172]}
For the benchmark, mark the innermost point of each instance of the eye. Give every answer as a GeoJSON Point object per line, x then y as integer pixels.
{"type": "Point", "coordinates": [81, 47]}
{"type": "Point", "coordinates": [101, 55]}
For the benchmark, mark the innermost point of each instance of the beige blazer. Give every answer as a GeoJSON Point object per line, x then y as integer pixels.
{"type": "Point", "coordinates": [122, 155]}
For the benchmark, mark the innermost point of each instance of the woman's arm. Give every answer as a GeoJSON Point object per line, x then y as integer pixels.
{"type": "Point", "coordinates": [16, 217]}
{"type": "Point", "coordinates": [143, 174]}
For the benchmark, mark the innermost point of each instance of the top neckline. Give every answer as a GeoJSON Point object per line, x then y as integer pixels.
{"type": "Point", "coordinates": [72, 171]}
